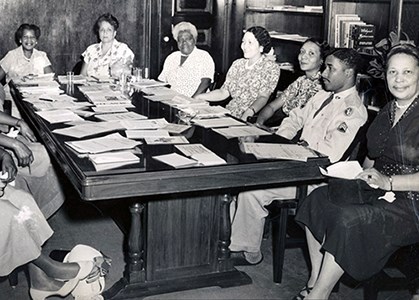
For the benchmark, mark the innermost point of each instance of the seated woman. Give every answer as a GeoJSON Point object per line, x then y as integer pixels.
{"type": "Point", "coordinates": [297, 94]}
{"type": "Point", "coordinates": [250, 80]}
{"type": "Point", "coordinates": [349, 228]}
{"type": "Point", "coordinates": [37, 175]}
{"type": "Point", "coordinates": [190, 70]}
{"type": "Point", "coordinates": [23, 231]}
{"type": "Point", "coordinates": [109, 57]}
{"type": "Point", "coordinates": [25, 59]}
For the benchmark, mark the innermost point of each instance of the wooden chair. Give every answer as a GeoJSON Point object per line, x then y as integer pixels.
{"type": "Point", "coordinates": [400, 272]}
{"type": "Point", "coordinates": [281, 210]}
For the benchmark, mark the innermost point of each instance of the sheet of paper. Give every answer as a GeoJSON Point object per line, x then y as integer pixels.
{"type": "Point", "coordinates": [86, 129]}
{"type": "Point", "coordinates": [278, 151]}
{"type": "Point", "coordinates": [241, 131]}
{"type": "Point", "coordinates": [144, 124]}
{"type": "Point", "coordinates": [176, 128]}
{"type": "Point", "coordinates": [200, 153]}
{"type": "Point", "coordinates": [166, 140]}
{"type": "Point", "coordinates": [343, 169]}
{"type": "Point", "coordinates": [58, 116]}
{"type": "Point", "coordinates": [176, 160]}
{"type": "Point", "coordinates": [110, 142]}
{"type": "Point", "coordinates": [217, 122]}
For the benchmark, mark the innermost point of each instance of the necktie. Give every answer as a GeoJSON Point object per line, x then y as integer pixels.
{"type": "Point", "coordinates": [326, 102]}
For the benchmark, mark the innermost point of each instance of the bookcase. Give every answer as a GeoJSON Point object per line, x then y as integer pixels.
{"type": "Point", "coordinates": [290, 22]}
{"type": "Point", "coordinates": [293, 18]}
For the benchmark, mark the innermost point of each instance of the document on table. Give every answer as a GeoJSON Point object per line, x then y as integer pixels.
{"type": "Point", "coordinates": [77, 79]}
{"type": "Point", "coordinates": [147, 83]}
{"type": "Point", "coordinates": [278, 151]}
{"type": "Point", "coordinates": [108, 109]}
{"type": "Point", "coordinates": [110, 142]}
{"type": "Point", "coordinates": [141, 134]}
{"type": "Point", "coordinates": [176, 128]}
{"type": "Point", "coordinates": [89, 128]}
{"type": "Point", "coordinates": [343, 169]}
{"type": "Point", "coordinates": [112, 160]}
{"type": "Point", "coordinates": [217, 122]}
{"type": "Point", "coordinates": [176, 160]}
{"type": "Point", "coordinates": [144, 124]}
{"type": "Point", "coordinates": [121, 116]}
{"type": "Point", "coordinates": [200, 153]}
{"type": "Point", "coordinates": [58, 116]}
{"type": "Point", "coordinates": [241, 131]}
{"type": "Point", "coordinates": [166, 140]}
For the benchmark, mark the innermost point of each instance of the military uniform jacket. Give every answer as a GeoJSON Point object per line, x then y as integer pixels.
{"type": "Point", "coordinates": [333, 128]}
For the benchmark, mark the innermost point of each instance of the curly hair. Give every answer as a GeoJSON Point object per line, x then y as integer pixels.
{"type": "Point", "coordinates": [262, 36]}
{"type": "Point", "coordinates": [107, 18]}
{"type": "Point", "coordinates": [23, 27]}
{"type": "Point", "coordinates": [350, 57]}
{"type": "Point", "coordinates": [407, 49]}
{"type": "Point", "coordinates": [323, 46]}
{"type": "Point", "coordinates": [184, 26]}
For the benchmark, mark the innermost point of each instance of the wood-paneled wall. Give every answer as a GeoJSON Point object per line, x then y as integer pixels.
{"type": "Point", "coordinates": [67, 26]}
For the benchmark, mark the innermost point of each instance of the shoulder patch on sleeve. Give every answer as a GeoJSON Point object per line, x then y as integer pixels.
{"type": "Point", "coordinates": [342, 127]}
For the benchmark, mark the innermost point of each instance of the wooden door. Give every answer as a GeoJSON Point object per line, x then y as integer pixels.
{"type": "Point", "coordinates": [212, 19]}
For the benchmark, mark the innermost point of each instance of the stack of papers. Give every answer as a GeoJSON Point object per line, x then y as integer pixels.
{"type": "Point", "coordinates": [205, 111]}
{"type": "Point", "coordinates": [121, 116]}
{"type": "Point", "coordinates": [112, 160]}
{"type": "Point", "coordinates": [278, 151]}
{"type": "Point", "coordinates": [176, 160]}
{"type": "Point", "coordinates": [141, 134]}
{"type": "Point", "coordinates": [147, 83]}
{"type": "Point", "coordinates": [176, 128]}
{"type": "Point", "coordinates": [107, 143]}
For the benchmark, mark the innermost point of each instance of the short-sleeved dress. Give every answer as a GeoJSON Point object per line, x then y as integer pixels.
{"type": "Point", "coordinates": [23, 230]}
{"type": "Point", "coordinates": [361, 230]}
{"type": "Point", "coordinates": [246, 84]}
{"type": "Point", "coordinates": [99, 65]}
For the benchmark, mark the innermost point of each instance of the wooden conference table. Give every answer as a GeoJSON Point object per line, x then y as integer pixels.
{"type": "Point", "coordinates": [177, 221]}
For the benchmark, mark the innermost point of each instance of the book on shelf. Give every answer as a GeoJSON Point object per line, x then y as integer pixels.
{"type": "Point", "coordinates": [336, 34]}
{"type": "Point", "coordinates": [346, 31]}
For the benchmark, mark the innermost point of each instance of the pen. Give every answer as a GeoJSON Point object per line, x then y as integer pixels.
{"type": "Point", "coordinates": [46, 99]}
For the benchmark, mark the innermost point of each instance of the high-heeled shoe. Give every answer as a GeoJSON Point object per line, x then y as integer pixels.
{"type": "Point", "coordinates": [86, 268]}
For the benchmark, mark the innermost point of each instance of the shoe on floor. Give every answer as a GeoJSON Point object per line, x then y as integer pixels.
{"type": "Point", "coordinates": [239, 259]}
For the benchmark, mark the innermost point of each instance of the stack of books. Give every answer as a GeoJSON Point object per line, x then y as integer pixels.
{"type": "Point", "coordinates": [352, 32]}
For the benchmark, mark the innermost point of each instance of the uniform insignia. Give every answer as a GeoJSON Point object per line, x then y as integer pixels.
{"type": "Point", "coordinates": [342, 127]}
{"type": "Point", "coordinates": [348, 111]}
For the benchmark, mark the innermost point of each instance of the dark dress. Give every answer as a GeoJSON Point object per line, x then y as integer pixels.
{"type": "Point", "coordinates": [360, 230]}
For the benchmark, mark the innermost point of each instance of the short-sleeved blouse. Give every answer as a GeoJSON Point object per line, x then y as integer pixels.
{"type": "Point", "coordinates": [98, 64]}
{"type": "Point", "coordinates": [299, 92]}
{"type": "Point", "coordinates": [16, 65]}
{"type": "Point", "coordinates": [246, 84]}
{"type": "Point", "coordinates": [186, 78]}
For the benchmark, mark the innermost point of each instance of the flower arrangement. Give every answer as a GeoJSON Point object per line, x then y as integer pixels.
{"type": "Point", "coordinates": [377, 65]}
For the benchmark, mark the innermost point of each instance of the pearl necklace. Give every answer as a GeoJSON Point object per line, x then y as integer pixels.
{"type": "Point", "coordinates": [401, 106]}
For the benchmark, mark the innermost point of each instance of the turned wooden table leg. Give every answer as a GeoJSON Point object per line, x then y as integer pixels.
{"type": "Point", "coordinates": [225, 233]}
{"type": "Point", "coordinates": [136, 245]}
